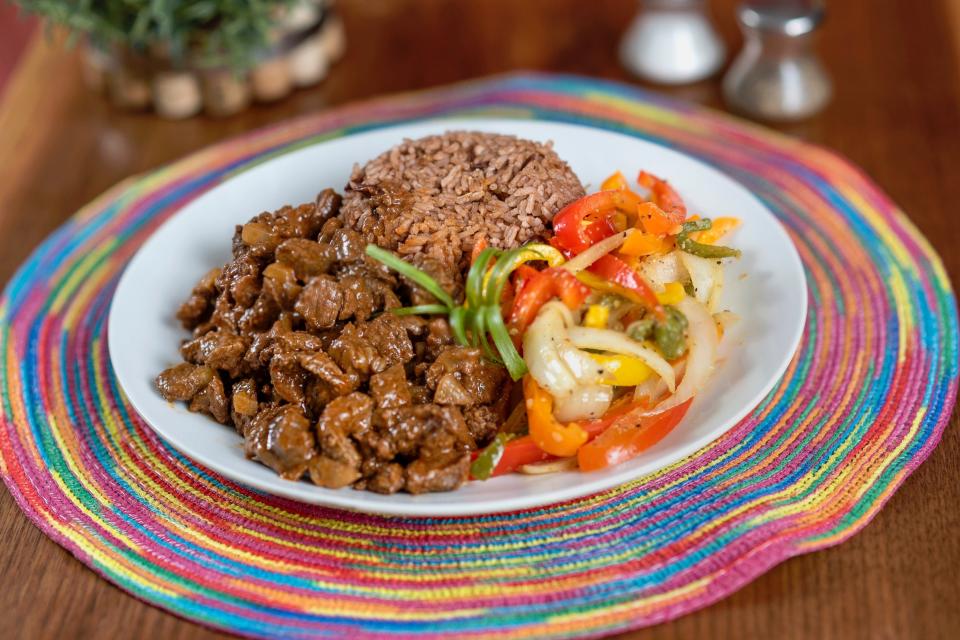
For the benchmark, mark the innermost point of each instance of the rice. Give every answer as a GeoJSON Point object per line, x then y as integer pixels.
{"type": "Point", "coordinates": [437, 196]}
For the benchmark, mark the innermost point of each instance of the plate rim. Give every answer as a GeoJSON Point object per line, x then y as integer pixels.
{"type": "Point", "coordinates": [409, 507]}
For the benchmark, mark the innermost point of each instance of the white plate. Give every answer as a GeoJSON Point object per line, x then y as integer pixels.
{"type": "Point", "coordinates": [766, 287]}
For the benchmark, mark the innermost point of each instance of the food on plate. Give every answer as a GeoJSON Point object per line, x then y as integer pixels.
{"type": "Point", "coordinates": [464, 311]}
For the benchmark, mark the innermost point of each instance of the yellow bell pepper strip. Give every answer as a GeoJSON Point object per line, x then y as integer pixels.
{"type": "Point", "coordinates": [721, 227]}
{"type": "Point", "coordinates": [596, 316]}
{"type": "Point", "coordinates": [615, 182]}
{"type": "Point", "coordinates": [672, 294]}
{"type": "Point", "coordinates": [550, 435]}
{"type": "Point", "coordinates": [622, 370]}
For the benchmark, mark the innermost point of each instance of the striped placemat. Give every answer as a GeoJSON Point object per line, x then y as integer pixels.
{"type": "Point", "coordinates": [862, 404]}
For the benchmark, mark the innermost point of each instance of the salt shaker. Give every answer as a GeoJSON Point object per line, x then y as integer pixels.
{"type": "Point", "coordinates": [777, 75]}
{"type": "Point", "coordinates": [672, 42]}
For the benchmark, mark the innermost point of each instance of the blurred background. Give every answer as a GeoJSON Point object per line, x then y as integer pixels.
{"type": "Point", "coordinates": [878, 64]}
{"type": "Point", "coordinates": [887, 63]}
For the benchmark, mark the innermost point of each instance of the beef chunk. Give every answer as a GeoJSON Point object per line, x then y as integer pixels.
{"type": "Point", "coordinates": [320, 302]}
{"type": "Point", "coordinates": [261, 315]}
{"type": "Point", "coordinates": [241, 280]}
{"type": "Point", "coordinates": [282, 439]}
{"type": "Point", "coordinates": [183, 381]}
{"type": "Point", "coordinates": [347, 245]}
{"type": "Point", "coordinates": [299, 341]}
{"type": "Point", "coordinates": [287, 377]}
{"type": "Point", "coordinates": [280, 283]}
{"type": "Point", "coordinates": [225, 317]}
{"type": "Point", "coordinates": [417, 430]}
{"type": "Point", "coordinates": [444, 473]}
{"type": "Point", "coordinates": [306, 257]}
{"type": "Point", "coordinates": [243, 403]}
{"type": "Point", "coordinates": [461, 376]}
{"type": "Point", "coordinates": [447, 276]}
{"type": "Point", "coordinates": [374, 346]}
{"type": "Point", "coordinates": [322, 365]}
{"type": "Point", "coordinates": [327, 205]}
{"type": "Point", "coordinates": [389, 478]}
{"type": "Point", "coordinates": [199, 305]}
{"type": "Point", "coordinates": [339, 462]}
{"type": "Point", "coordinates": [218, 349]}
{"type": "Point", "coordinates": [390, 388]}
{"type": "Point", "coordinates": [263, 345]}
{"type": "Point", "coordinates": [362, 297]}
{"type": "Point", "coordinates": [482, 423]}
{"type": "Point", "coordinates": [439, 336]}
{"type": "Point", "coordinates": [212, 400]}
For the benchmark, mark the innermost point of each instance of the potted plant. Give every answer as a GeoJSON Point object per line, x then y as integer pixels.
{"type": "Point", "coordinates": [186, 56]}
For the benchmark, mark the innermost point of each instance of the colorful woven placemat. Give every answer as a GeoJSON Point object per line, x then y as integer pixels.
{"type": "Point", "coordinates": [863, 403]}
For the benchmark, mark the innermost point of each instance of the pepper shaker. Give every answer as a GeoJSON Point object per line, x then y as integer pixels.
{"type": "Point", "coordinates": [777, 75]}
{"type": "Point", "coordinates": [672, 42]}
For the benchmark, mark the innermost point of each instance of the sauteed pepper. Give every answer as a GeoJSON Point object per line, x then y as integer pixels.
{"type": "Point", "coordinates": [691, 246]}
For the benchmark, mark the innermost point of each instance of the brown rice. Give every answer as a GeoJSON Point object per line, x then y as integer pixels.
{"type": "Point", "coordinates": [440, 194]}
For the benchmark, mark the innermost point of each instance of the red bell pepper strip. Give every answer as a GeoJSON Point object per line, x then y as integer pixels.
{"type": "Point", "coordinates": [536, 289]}
{"type": "Point", "coordinates": [613, 269]}
{"type": "Point", "coordinates": [586, 221]}
{"type": "Point", "coordinates": [524, 450]}
{"type": "Point", "coordinates": [668, 200]}
{"type": "Point", "coordinates": [628, 436]}
{"type": "Point", "coordinates": [572, 236]}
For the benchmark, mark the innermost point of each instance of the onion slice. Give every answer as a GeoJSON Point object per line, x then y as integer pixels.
{"type": "Point", "coordinates": [706, 276]}
{"type": "Point", "coordinates": [702, 354]}
{"type": "Point", "coordinates": [587, 402]}
{"type": "Point", "coordinates": [616, 342]}
{"type": "Point", "coordinates": [550, 466]}
{"type": "Point", "coordinates": [659, 271]}
{"type": "Point", "coordinates": [594, 253]}
{"type": "Point", "coordinates": [553, 360]}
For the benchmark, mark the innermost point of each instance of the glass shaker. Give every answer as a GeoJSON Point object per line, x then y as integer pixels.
{"type": "Point", "coordinates": [672, 42]}
{"type": "Point", "coordinates": [777, 75]}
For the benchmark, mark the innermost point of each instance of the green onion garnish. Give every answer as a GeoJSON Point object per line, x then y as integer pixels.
{"type": "Point", "coordinates": [407, 270]}
{"type": "Point", "coordinates": [480, 315]}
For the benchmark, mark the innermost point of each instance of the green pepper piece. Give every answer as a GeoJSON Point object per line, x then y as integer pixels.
{"type": "Point", "coordinates": [669, 334]}
{"type": "Point", "coordinates": [642, 329]}
{"type": "Point", "coordinates": [691, 246]}
{"type": "Point", "coordinates": [482, 468]}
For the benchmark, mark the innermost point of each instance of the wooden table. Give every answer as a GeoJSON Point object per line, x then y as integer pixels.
{"type": "Point", "coordinates": [896, 113]}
